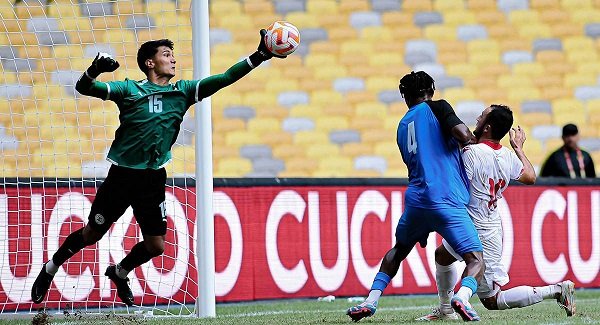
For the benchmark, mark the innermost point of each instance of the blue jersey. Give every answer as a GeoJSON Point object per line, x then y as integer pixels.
{"type": "Point", "coordinates": [437, 178]}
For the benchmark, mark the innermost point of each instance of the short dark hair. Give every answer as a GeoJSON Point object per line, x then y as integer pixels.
{"type": "Point", "coordinates": [416, 84]}
{"type": "Point", "coordinates": [500, 118]}
{"type": "Point", "coordinates": [569, 130]}
{"type": "Point", "coordinates": [148, 50]}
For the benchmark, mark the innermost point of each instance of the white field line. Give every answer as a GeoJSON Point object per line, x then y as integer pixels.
{"type": "Point", "coordinates": [333, 311]}
{"type": "Point", "coordinates": [317, 311]}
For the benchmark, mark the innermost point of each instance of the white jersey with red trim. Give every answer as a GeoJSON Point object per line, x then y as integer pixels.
{"type": "Point", "coordinates": [489, 167]}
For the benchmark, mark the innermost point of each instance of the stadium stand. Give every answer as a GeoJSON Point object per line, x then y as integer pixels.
{"type": "Point", "coordinates": [330, 109]}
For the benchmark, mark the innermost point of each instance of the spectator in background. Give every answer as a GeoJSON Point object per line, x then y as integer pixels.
{"type": "Point", "coordinates": [569, 160]}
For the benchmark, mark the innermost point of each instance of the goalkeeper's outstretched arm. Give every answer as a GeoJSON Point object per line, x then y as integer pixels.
{"type": "Point", "coordinates": [212, 84]}
{"type": "Point", "coordinates": [87, 85]}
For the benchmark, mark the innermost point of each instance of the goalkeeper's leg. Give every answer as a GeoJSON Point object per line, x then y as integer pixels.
{"type": "Point", "coordinates": [72, 245]}
{"type": "Point", "coordinates": [112, 199]}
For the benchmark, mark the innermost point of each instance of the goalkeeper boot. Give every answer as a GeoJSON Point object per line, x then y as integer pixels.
{"type": "Point", "coordinates": [438, 314]}
{"type": "Point", "coordinates": [361, 311]}
{"type": "Point", "coordinates": [566, 299]}
{"type": "Point", "coordinates": [464, 310]}
{"type": "Point", "coordinates": [123, 290]}
{"type": "Point", "coordinates": [41, 285]}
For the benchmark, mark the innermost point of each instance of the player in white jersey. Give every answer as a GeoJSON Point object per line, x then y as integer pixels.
{"type": "Point", "coordinates": [490, 167]}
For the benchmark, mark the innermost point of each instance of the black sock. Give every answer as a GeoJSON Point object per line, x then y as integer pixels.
{"type": "Point", "coordinates": [73, 244]}
{"type": "Point", "coordinates": [138, 256]}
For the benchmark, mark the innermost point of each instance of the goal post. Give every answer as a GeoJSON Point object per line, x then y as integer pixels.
{"type": "Point", "coordinates": [205, 239]}
{"type": "Point", "coordinates": [53, 144]}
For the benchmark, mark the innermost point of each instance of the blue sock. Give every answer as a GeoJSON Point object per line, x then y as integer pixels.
{"type": "Point", "coordinates": [470, 283]}
{"type": "Point", "coordinates": [381, 281]}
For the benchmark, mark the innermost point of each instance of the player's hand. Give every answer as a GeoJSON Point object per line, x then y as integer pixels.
{"type": "Point", "coordinates": [262, 47]}
{"type": "Point", "coordinates": [103, 62]}
{"type": "Point", "coordinates": [517, 137]}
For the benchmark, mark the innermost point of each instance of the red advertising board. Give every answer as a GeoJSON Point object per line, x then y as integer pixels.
{"type": "Point", "coordinates": [283, 242]}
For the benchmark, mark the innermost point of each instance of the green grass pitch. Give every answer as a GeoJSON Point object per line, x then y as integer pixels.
{"type": "Point", "coordinates": [392, 310]}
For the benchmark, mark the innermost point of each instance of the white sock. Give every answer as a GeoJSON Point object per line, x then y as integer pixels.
{"type": "Point", "coordinates": [549, 292]}
{"type": "Point", "coordinates": [121, 272]}
{"type": "Point", "coordinates": [465, 293]}
{"type": "Point", "coordinates": [519, 297]}
{"type": "Point", "coordinates": [373, 296]}
{"type": "Point", "coordinates": [51, 268]}
{"type": "Point", "coordinates": [445, 278]}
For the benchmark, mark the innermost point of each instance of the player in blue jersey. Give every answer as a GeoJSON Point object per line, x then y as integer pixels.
{"type": "Point", "coordinates": [429, 137]}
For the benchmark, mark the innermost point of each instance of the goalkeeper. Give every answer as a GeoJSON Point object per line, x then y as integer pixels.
{"type": "Point", "coordinates": [151, 112]}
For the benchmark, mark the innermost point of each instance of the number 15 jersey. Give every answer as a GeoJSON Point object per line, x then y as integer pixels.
{"type": "Point", "coordinates": [436, 174]}
{"type": "Point", "coordinates": [489, 167]}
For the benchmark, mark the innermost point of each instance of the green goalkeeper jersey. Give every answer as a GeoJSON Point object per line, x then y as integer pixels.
{"type": "Point", "coordinates": [150, 115]}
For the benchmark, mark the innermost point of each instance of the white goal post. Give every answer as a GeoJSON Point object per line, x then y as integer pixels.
{"type": "Point", "coordinates": [53, 144]}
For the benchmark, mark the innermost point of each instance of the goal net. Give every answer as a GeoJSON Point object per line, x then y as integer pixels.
{"type": "Point", "coordinates": [53, 144]}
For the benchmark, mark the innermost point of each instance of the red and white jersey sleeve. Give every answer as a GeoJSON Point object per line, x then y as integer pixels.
{"type": "Point", "coordinates": [489, 167]}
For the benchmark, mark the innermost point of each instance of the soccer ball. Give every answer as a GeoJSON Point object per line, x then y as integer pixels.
{"type": "Point", "coordinates": [282, 38]}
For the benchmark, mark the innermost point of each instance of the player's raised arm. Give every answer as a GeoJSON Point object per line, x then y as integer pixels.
{"type": "Point", "coordinates": [87, 85]}
{"type": "Point", "coordinates": [210, 85]}
{"type": "Point", "coordinates": [517, 139]}
{"type": "Point", "coordinates": [451, 123]}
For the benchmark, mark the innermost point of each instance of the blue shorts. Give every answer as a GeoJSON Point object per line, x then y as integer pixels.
{"type": "Point", "coordinates": [453, 224]}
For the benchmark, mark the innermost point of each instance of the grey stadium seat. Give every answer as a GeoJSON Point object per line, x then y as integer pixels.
{"type": "Point", "coordinates": [271, 165]}
{"type": "Point", "coordinates": [19, 64]}
{"type": "Point", "coordinates": [219, 35]}
{"type": "Point", "coordinates": [587, 92]}
{"type": "Point", "coordinates": [592, 30]}
{"type": "Point", "coordinates": [9, 91]}
{"type": "Point", "coordinates": [468, 111]}
{"type": "Point", "coordinates": [346, 84]}
{"type": "Point", "coordinates": [65, 77]}
{"type": "Point", "coordinates": [547, 44]}
{"type": "Point", "coordinates": [590, 144]}
{"type": "Point", "coordinates": [445, 82]}
{"type": "Point", "coordinates": [510, 5]}
{"type": "Point", "coordinates": [468, 33]}
{"type": "Point", "coordinates": [95, 169]}
{"type": "Point", "coordinates": [47, 31]}
{"type": "Point", "coordinates": [241, 112]}
{"type": "Point", "coordinates": [546, 132]}
{"type": "Point", "coordinates": [435, 70]}
{"type": "Point", "coordinates": [370, 163]}
{"type": "Point", "coordinates": [140, 22]}
{"type": "Point", "coordinates": [364, 19]}
{"type": "Point", "coordinates": [310, 35]}
{"type": "Point", "coordinates": [92, 50]}
{"type": "Point", "coordinates": [291, 98]}
{"type": "Point", "coordinates": [8, 142]}
{"type": "Point", "coordinates": [386, 5]}
{"type": "Point", "coordinates": [423, 19]}
{"type": "Point", "coordinates": [255, 151]}
{"type": "Point", "coordinates": [390, 96]}
{"type": "Point", "coordinates": [423, 47]}
{"type": "Point", "coordinates": [414, 58]}
{"type": "Point", "coordinates": [513, 57]}
{"type": "Point", "coordinates": [344, 136]}
{"type": "Point", "coordinates": [285, 6]}
{"type": "Point", "coordinates": [96, 9]}
{"type": "Point", "coordinates": [295, 124]}
{"type": "Point", "coordinates": [7, 52]}
{"type": "Point", "coordinates": [536, 106]}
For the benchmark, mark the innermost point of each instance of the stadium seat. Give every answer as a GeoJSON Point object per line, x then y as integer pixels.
{"type": "Point", "coordinates": [364, 19]}
{"type": "Point", "coordinates": [342, 137]}
{"type": "Point", "coordinates": [328, 123]}
{"type": "Point", "coordinates": [385, 5]}
{"type": "Point", "coordinates": [376, 163]}
{"type": "Point", "coordinates": [355, 149]}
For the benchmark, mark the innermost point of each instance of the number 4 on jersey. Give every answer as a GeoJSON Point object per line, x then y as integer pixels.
{"type": "Point", "coordinates": [411, 139]}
